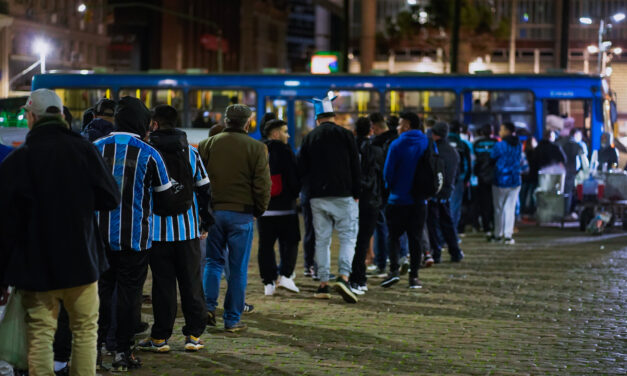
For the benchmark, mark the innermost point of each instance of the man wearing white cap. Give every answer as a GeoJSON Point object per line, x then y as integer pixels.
{"type": "Point", "coordinates": [50, 246]}
{"type": "Point", "coordinates": [328, 163]}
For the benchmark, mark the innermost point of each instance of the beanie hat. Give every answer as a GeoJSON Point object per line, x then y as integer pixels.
{"type": "Point", "coordinates": [237, 112]}
{"type": "Point", "coordinates": [440, 129]}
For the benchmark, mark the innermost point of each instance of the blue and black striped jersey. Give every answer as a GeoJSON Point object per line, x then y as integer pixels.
{"type": "Point", "coordinates": [183, 226]}
{"type": "Point", "coordinates": [138, 170]}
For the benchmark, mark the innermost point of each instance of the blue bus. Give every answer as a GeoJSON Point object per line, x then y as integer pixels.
{"type": "Point", "coordinates": [524, 99]}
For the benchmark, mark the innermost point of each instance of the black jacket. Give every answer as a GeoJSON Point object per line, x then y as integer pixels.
{"type": "Point", "coordinates": [547, 154]}
{"type": "Point", "coordinates": [484, 164]}
{"type": "Point", "coordinates": [51, 187]}
{"type": "Point", "coordinates": [384, 137]}
{"type": "Point", "coordinates": [284, 176]}
{"type": "Point", "coordinates": [96, 129]}
{"type": "Point", "coordinates": [451, 160]}
{"type": "Point", "coordinates": [328, 162]}
{"type": "Point", "coordinates": [371, 169]}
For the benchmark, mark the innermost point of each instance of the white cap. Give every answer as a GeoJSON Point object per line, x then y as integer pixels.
{"type": "Point", "coordinates": [42, 99]}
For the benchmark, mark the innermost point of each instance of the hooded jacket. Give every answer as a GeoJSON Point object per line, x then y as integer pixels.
{"type": "Point", "coordinates": [96, 129]}
{"type": "Point", "coordinates": [371, 168]}
{"type": "Point", "coordinates": [400, 165]}
{"type": "Point", "coordinates": [509, 162]}
{"type": "Point", "coordinates": [464, 168]}
{"type": "Point", "coordinates": [284, 176]}
{"type": "Point", "coordinates": [451, 159]}
{"type": "Point", "coordinates": [484, 165]}
{"type": "Point", "coordinates": [49, 238]}
{"type": "Point", "coordinates": [547, 153]}
{"type": "Point", "coordinates": [132, 116]}
{"type": "Point", "coordinates": [328, 162]}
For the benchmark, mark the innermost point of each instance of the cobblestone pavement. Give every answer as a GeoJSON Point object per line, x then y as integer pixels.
{"type": "Point", "coordinates": [555, 303]}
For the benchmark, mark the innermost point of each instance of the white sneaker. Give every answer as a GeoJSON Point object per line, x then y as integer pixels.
{"type": "Point", "coordinates": [288, 284]}
{"type": "Point", "coordinates": [509, 241]}
{"type": "Point", "coordinates": [363, 287]}
{"type": "Point", "coordinates": [355, 289]}
{"type": "Point", "coordinates": [371, 268]}
{"type": "Point", "coordinates": [269, 289]}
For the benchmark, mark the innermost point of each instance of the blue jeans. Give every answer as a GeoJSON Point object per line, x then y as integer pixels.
{"type": "Point", "coordinates": [381, 235]}
{"type": "Point", "coordinates": [457, 199]}
{"type": "Point", "coordinates": [234, 230]}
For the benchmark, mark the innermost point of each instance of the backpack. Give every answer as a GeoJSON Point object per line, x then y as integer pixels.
{"type": "Point", "coordinates": [429, 174]}
{"type": "Point", "coordinates": [370, 175]}
{"type": "Point", "coordinates": [180, 172]}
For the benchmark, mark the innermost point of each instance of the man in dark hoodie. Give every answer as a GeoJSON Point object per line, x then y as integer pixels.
{"type": "Point", "coordinates": [50, 246]}
{"type": "Point", "coordinates": [439, 211]}
{"type": "Point", "coordinates": [509, 162]}
{"type": "Point", "coordinates": [175, 253]}
{"type": "Point", "coordinates": [484, 171]}
{"type": "Point", "coordinates": [404, 214]}
{"type": "Point", "coordinates": [280, 221]}
{"type": "Point", "coordinates": [548, 152]}
{"type": "Point", "coordinates": [102, 124]}
{"type": "Point", "coordinates": [145, 186]}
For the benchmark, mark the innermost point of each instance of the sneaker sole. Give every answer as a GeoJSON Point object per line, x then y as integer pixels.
{"type": "Point", "coordinates": [346, 294]}
{"type": "Point", "coordinates": [390, 283]}
{"type": "Point", "coordinates": [415, 287]}
{"type": "Point", "coordinates": [155, 349]}
{"type": "Point", "coordinates": [235, 330]}
{"type": "Point", "coordinates": [322, 296]}
{"type": "Point", "coordinates": [193, 348]}
{"type": "Point", "coordinates": [357, 292]}
{"type": "Point", "coordinates": [288, 289]}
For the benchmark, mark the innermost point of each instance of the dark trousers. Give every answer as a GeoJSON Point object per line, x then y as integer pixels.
{"type": "Point", "coordinates": [309, 241]}
{"type": "Point", "coordinates": [173, 262]}
{"type": "Point", "coordinates": [128, 270]}
{"type": "Point", "coordinates": [62, 345]}
{"type": "Point", "coordinates": [285, 229]}
{"type": "Point", "coordinates": [486, 206]}
{"type": "Point", "coordinates": [439, 213]}
{"type": "Point", "coordinates": [409, 219]}
{"type": "Point", "coordinates": [368, 215]}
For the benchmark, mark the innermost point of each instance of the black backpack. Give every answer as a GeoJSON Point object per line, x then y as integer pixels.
{"type": "Point", "coordinates": [429, 174]}
{"type": "Point", "coordinates": [176, 158]}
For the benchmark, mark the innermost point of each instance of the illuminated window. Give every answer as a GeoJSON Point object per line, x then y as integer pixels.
{"type": "Point", "coordinates": [439, 104]}
{"type": "Point", "coordinates": [207, 106]}
{"type": "Point", "coordinates": [351, 104]}
{"type": "Point", "coordinates": [79, 100]}
{"type": "Point", "coordinates": [497, 107]}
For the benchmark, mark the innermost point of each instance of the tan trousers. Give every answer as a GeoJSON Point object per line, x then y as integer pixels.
{"type": "Point", "coordinates": [42, 310]}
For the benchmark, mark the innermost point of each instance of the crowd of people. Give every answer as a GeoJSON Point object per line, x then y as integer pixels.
{"type": "Point", "coordinates": [84, 215]}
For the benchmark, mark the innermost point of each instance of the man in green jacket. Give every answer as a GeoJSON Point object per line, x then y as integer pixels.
{"type": "Point", "coordinates": [240, 188]}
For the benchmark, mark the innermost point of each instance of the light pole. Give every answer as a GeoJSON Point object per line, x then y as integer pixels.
{"type": "Point", "coordinates": [42, 48]}
{"type": "Point", "coordinates": [602, 46]}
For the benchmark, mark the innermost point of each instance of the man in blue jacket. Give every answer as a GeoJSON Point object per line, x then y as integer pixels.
{"type": "Point", "coordinates": [509, 163]}
{"type": "Point", "coordinates": [403, 213]}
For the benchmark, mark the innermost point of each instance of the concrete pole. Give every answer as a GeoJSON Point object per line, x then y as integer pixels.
{"type": "Point", "coordinates": [536, 61]}
{"type": "Point", "coordinates": [368, 27]}
{"type": "Point", "coordinates": [586, 61]}
{"type": "Point", "coordinates": [323, 29]}
{"type": "Point", "coordinates": [512, 38]}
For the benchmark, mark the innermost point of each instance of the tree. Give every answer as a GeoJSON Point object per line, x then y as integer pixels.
{"type": "Point", "coordinates": [479, 30]}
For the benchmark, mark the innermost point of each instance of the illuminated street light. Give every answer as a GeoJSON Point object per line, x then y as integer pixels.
{"type": "Point", "coordinates": [617, 51]}
{"type": "Point", "coordinates": [412, 2]}
{"type": "Point", "coordinates": [423, 17]}
{"type": "Point", "coordinates": [618, 17]}
{"type": "Point", "coordinates": [585, 20]}
{"type": "Point", "coordinates": [82, 8]}
{"type": "Point", "coordinates": [42, 48]}
{"type": "Point", "coordinates": [593, 49]}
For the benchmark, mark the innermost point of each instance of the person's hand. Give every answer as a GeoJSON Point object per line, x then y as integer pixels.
{"type": "Point", "coordinates": [203, 235]}
{"type": "Point", "coordinates": [4, 295]}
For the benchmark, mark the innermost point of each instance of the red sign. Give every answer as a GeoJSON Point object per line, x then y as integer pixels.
{"type": "Point", "coordinates": [210, 42]}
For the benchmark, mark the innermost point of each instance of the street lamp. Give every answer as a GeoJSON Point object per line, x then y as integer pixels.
{"type": "Point", "coordinates": [81, 8]}
{"type": "Point", "coordinates": [42, 48]}
{"type": "Point", "coordinates": [602, 46]}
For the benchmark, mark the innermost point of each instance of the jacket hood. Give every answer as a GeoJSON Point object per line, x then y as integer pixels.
{"type": "Point", "coordinates": [169, 139]}
{"type": "Point", "coordinates": [413, 134]}
{"type": "Point", "coordinates": [131, 115]}
{"type": "Point", "coordinates": [512, 140]}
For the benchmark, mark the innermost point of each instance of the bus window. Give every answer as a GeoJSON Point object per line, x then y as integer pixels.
{"type": "Point", "coordinates": [207, 106]}
{"type": "Point", "coordinates": [304, 121]}
{"type": "Point", "coordinates": [278, 106]}
{"type": "Point", "coordinates": [438, 104]}
{"type": "Point", "coordinates": [351, 104]}
{"type": "Point", "coordinates": [498, 107]}
{"type": "Point", "coordinates": [78, 100]}
{"type": "Point", "coordinates": [154, 97]}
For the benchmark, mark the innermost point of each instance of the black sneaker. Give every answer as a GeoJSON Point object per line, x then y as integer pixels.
{"type": "Point", "coordinates": [99, 365]}
{"type": "Point", "coordinates": [249, 308]}
{"type": "Point", "coordinates": [414, 283]}
{"type": "Point", "coordinates": [211, 318]}
{"type": "Point", "coordinates": [323, 292]}
{"type": "Point", "coordinates": [390, 280]}
{"type": "Point", "coordinates": [459, 257]}
{"type": "Point", "coordinates": [125, 361]}
{"type": "Point", "coordinates": [344, 289]}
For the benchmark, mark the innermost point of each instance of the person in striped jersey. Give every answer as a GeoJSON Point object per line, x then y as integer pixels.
{"type": "Point", "coordinates": [142, 177]}
{"type": "Point", "coordinates": [175, 253]}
